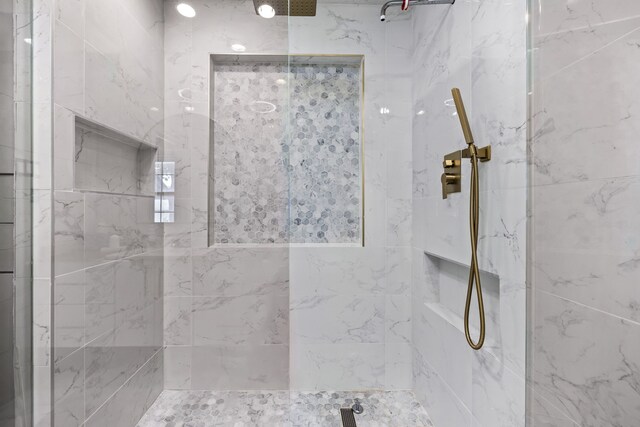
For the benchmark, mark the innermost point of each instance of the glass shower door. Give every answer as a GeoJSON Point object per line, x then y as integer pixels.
{"type": "Point", "coordinates": [16, 195]}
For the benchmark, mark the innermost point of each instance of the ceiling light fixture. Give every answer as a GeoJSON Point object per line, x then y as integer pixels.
{"type": "Point", "coordinates": [186, 10]}
{"type": "Point", "coordinates": [267, 11]}
{"type": "Point", "coordinates": [238, 47]}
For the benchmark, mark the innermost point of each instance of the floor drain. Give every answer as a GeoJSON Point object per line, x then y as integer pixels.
{"type": "Point", "coordinates": [348, 420]}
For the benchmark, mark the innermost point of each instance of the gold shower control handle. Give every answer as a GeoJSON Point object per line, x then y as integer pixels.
{"type": "Point", "coordinates": [450, 179]}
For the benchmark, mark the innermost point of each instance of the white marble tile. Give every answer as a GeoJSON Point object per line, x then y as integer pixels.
{"type": "Point", "coordinates": [439, 400]}
{"type": "Point", "coordinates": [397, 319]}
{"type": "Point", "coordinates": [69, 314]}
{"type": "Point", "coordinates": [71, 14]}
{"type": "Point", "coordinates": [552, 16]}
{"type": "Point", "coordinates": [69, 237]}
{"type": "Point", "coordinates": [338, 319]}
{"type": "Point", "coordinates": [241, 320]}
{"type": "Point", "coordinates": [340, 28]}
{"type": "Point", "coordinates": [398, 366]}
{"type": "Point", "coordinates": [68, 380]}
{"type": "Point", "coordinates": [64, 148]}
{"type": "Point", "coordinates": [398, 271]}
{"type": "Point", "coordinates": [118, 226]}
{"type": "Point", "coordinates": [343, 366]}
{"type": "Point", "coordinates": [335, 270]}
{"type": "Point", "coordinates": [68, 68]}
{"type": "Point", "coordinates": [41, 322]}
{"type": "Point", "coordinates": [127, 406]}
{"type": "Point", "coordinates": [178, 272]}
{"type": "Point", "coordinates": [177, 320]}
{"type": "Point", "coordinates": [554, 52]}
{"type": "Point", "coordinates": [399, 222]}
{"type": "Point", "coordinates": [600, 125]}
{"type": "Point", "coordinates": [443, 347]}
{"type": "Point", "coordinates": [244, 367]}
{"type": "Point", "coordinates": [589, 231]}
{"type": "Point", "coordinates": [108, 367]}
{"type": "Point", "coordinates": [586, 362]}
{"type": "Point", "coordinates": [491, 379]}
{"type": "Point", "coordinates": [100, 301]}
{"type": "Point", "coordinates": [225, 272]}
{"type": "Point", "coordinates": [177, 367]}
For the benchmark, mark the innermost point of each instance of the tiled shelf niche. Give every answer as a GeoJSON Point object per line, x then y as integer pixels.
{"type": "Point", "coordinates": [108, 161]}
{"type": "Point", "coordinates": [285, 152]}
{"type": "Point", "coordinates": [446, 295]}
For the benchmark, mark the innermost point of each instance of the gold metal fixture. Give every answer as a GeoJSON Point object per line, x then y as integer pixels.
{"type": "Point", "coordinates": [289, 7]}
{"type": "Point", "coordinates": [451, 184]}
{"type": "Point", "coordinates": [452, 173]}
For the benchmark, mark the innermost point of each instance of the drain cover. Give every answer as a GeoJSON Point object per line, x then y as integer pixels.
{"type": "Point", "coordinates": [348, 420]}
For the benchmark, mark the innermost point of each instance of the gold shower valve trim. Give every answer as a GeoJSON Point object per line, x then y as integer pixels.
{"type": "Point", "coordinates": [452, 177]}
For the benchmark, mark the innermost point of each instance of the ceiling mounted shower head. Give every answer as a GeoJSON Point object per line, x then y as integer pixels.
{"type": "Point", "coordinates": [289, 7]}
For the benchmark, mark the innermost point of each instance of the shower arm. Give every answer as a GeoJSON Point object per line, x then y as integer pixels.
{"type": "Point", "coordinates": [387, 5]}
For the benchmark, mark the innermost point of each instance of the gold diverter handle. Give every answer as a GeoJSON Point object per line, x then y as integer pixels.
{"type": "Point", "coordinates": [451, 184]}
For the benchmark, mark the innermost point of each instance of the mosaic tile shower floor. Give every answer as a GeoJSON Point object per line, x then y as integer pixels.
{"type": "Point", "coordinates": [282, 409]}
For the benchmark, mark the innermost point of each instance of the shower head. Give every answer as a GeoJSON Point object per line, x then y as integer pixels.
{"type": "Point", "coordinates": [387, 5]}
{"type": "Point", "coordinates": [289, 7]}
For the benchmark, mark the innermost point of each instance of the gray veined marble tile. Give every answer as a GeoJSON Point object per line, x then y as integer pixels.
{"type": "Point", "coordinates": [242, 320]}
{"type": "Point", "coordinates": [126, 407]}
{"type": "Point", "coordinates": [337, 319]}
{"type": "Point", "coordinates": [240, 367]}
{"type": "Point", "coordinates": [603, 272]}
{"type": "Point", "coordinates": [586, 362]}
{"type": "Point", "coordinates": [69, 227]}
{"type": "Point", "coordinates": [69, 313]}
{"type": "Point", "coordinates": [68, 379]}
{"type": "Point", "coordinates": [224, 272]}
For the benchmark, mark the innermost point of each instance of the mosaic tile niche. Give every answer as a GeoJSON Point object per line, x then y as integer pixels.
{"type": "Point", "coordinates": [286, 150]}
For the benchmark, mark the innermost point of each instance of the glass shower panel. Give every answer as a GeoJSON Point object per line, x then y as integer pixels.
{"type": "Point", "coordinates": [585, 206]}
{"type": "Point", "coordinates": [16, 391]}
{"type": "Point", "coordinates": [350, 172]}
{"type": "Point", "coordinates": [387, 312]}
{"type": "Point", "coordinates": [105, 273]}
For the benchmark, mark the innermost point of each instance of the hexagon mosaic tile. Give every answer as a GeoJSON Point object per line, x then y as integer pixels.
{"type": "Point", "coordinates": [287, 164]}
{"type": "Point", "coordinates": [283, 409]}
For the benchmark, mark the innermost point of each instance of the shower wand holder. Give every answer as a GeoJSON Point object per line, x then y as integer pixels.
{"type": "Point", "coordinates": [452, 177]}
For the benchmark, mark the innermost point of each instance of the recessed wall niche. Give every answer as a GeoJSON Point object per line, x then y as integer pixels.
{"type": "Point", "coordinates": [285, 158]}
{"type": "Point", "coordinates": [109, 161]}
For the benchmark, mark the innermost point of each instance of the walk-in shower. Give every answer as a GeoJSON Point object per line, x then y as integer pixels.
{"type": "Point", "coordinates": [223, 212]}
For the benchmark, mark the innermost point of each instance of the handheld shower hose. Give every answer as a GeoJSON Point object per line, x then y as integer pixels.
{"type": "Point", "coordinates": [474, 219]}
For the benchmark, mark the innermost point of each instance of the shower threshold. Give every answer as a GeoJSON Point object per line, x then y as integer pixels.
{"type": "Point", "coordinates": [176, 408]}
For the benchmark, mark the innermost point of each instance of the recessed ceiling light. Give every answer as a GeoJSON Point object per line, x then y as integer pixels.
{"type": "Point", "coordinates": [27, 40]}
{"type": "Point", "coordinates": [186, 10]}
{"type": "Point", "coordinates": [281, 82]}
{"type": "Point", "coordinates": [267, 11]}
{"type": "Point", "coordinates": [189, 109]}
{"type": "Point", "coordinates": [238, 47]}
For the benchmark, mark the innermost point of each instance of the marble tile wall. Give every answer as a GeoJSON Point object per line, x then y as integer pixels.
{"type": "Point", "coordinates": [104, 341]}
{"type": "Point", "coordinates": [585, 320]}
{"type": "Point", "coordinates": [347, 308]}
{"type": "Point", "coordinates": [479, 47]}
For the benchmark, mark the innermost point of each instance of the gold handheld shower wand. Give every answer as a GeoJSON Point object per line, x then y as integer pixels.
{"type": "Point", "coordinates": [450, 184]}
